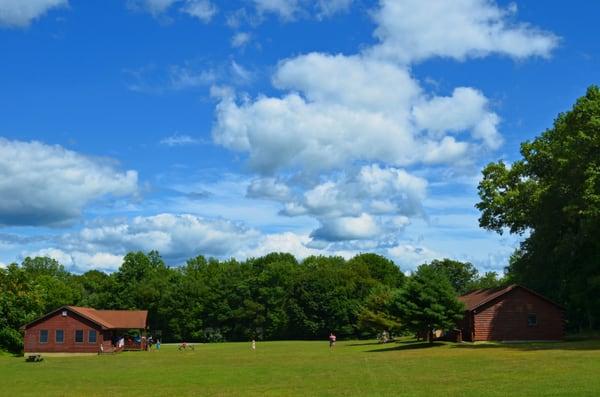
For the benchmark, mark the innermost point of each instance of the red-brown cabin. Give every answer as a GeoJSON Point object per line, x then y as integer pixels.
{"type": "Point", "coordinates": [72, 329]}
{"type": "Point", "coordinates": [512, 313]}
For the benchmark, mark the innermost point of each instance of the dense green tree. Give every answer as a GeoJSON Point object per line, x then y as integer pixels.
{"type": "Point", "coordinates": [462, 275]}
{"type": "Point", "coordinates": [322, 298]}
{"type": "Point", "coordinates": [551, 196]}
{"type": "Point", "coordinates": [379, 268]}
{"type": "Point", "coordinates": [183, 306]}
{"type": "Point", "coordinates": [43, 266]}
{"type": "Point", "coordinates": [273, 285]}
{"type": "Point", "coordinates": [427, 302]}
{"type": "Point", "coordinates": [488, 280]}
{"type": "Point", "coordinates": [143, 282]}
{"type": "Point", "coordinates": [376, 314]}
{"type": "Point", "coordinates": [20, 303]}
{"type": "Point", "coordinates": [98, 289]}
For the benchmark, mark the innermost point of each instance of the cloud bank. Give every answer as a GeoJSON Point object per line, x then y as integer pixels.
{"type": "Point", "coordinates": [348, 134]}
{"type": "Point", "coordinates": [48, 185]}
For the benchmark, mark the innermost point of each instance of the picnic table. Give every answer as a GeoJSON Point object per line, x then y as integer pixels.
{"type": "Point", "coordinates": [34, 358]}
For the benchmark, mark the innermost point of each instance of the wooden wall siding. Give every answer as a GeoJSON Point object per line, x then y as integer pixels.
{"type": "Point", "coordinates": [68, 324]}
{"type": "Point", "coordinates": [506, 318]}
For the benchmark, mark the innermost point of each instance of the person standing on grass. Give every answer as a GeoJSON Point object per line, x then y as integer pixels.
{"type": "Point", "coordinates": [253, 344]}
{"type": "Point", "coordinates": [332, 340]}
{"type": "Point", "coordinates": [158, 344]}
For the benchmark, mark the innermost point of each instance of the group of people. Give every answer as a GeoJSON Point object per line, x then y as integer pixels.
{"type": "Point", "coordinates": [151, 341]}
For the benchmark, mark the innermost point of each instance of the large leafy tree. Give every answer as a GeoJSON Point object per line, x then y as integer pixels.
{"type": "Point", "coordinates": [98, 289]}
{"type": "Point", "coordinates": [462, 275]}
{"type": "Point", "coordinates": [379, 268]}
{"type": "Point", "coordinates": [376, 314]}
{"type": "Point", "coordinates": [552, 197]}
{"type": "Point", "coordinates": [488, 280]}
{"type": "Point", "coordinates": [427, 302]}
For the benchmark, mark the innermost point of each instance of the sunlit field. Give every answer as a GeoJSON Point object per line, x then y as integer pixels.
{"type": "Point", "coordinates": [353, 368]}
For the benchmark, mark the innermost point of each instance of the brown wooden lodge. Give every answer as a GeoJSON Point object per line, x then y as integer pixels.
{"type": "Point", "coordinates": [72, 329]}
{"type": "Point", "coordinates": [512, 313]}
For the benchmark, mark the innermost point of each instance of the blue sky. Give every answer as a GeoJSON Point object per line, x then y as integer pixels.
{"type": "Point", "coordinates": [237, 128]}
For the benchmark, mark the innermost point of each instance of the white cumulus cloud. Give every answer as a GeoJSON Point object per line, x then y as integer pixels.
{"type": "Point", "coordinates": [337, 113]}
{"type": "Point", "coordinates": [268, 188]}
{"type": "Point", "coordinates": [347, 228]}
{"type": "Point", "coordinates": [204, 10]}
{"type": "Point", "coordinates": [81, 261]}
{"type": "Point", "coordinates": [410, 256]}
{"type": "Point", "coordinates": [176, 236]}
{"type": "Point", "coordinates": [414, 30]}
{"type": "Point", "coordinates": [47, 184]}
{"type": "Point", "coordinates": [465, 109]}
{"type": "Point", "coordinates": [372, 189]}
{"type": "Point", "coordinates": [340, 109]}
{"type": "Point", "coordinates": [20, 13]}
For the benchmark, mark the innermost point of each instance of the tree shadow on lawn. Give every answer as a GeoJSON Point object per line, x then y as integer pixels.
{"type": "Point", "coordinates": [574, 345]}
{"type": "Point", "coordinates": [532, 346]}
{"type": "Point", "coordinates": [364, 344]}
{"type": "Point", "coordinates": [391, 342]}
{"type": "Point", "coordinates": [408, 345]}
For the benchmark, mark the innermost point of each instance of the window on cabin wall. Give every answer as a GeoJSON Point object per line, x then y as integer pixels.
{"type": "Point", "coordinates": [78, 336]}
{"type": "Point", "coordinates": [43, 336]}
{"type": "Point", "coordinates": [59, 336]}
{"type": "Point", "coordinates": [92, 336]}
{"type": "Point", "coordinates": [532, 319]}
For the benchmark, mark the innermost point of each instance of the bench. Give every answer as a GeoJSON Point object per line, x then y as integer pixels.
{"type": "Point", "coordinates": [34, 358]}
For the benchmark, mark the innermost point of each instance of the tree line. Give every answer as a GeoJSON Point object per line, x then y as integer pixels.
{"type": "Point", "coordinates": [270, 297]}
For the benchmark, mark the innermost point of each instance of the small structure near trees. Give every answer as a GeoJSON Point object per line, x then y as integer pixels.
{"type": "Point", "coordinates": [511, 313]}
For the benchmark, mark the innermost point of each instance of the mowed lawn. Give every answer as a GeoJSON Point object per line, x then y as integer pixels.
{"type": "Point", "coordinates": [295, 368]}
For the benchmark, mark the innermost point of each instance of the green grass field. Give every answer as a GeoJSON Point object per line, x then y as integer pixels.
{"type": "Point", "coordinates": [353, 368]}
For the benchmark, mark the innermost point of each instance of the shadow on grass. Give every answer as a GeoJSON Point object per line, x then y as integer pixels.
{"type": "Point", "coordinates": [364, 344]}
{"type": "Point", "coordinates": [407, 346]}
{"type": "Point", "coordinates": [573, 345]}
{"type": "Point", "coordinates": [376, 343]}
{"type": "Point", "coordinates": [531, 346]}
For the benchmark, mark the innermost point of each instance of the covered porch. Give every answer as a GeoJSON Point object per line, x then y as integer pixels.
{"type": "Point", "coordinates": [121, 339]}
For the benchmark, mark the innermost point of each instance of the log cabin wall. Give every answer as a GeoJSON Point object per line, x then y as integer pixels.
{"type": "Point", "coordinates": [511, 317]}
{"type": "Point", "coordinates": [68, 323]}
